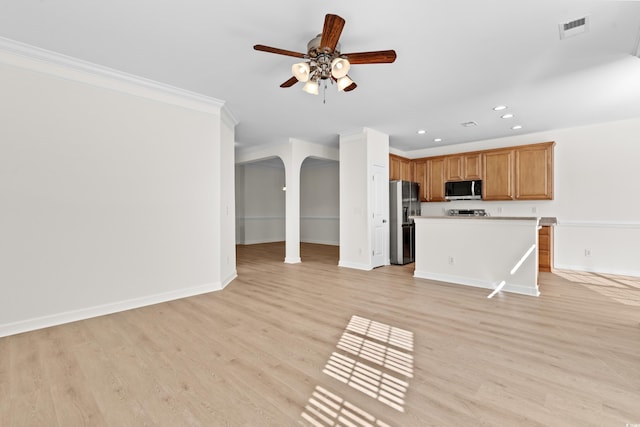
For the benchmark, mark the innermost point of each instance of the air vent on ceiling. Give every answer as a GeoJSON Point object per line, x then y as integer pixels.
{"type": "Point", "coordinates": [573, 28]}
{"type": "Point", "coordinates": [469, 124]}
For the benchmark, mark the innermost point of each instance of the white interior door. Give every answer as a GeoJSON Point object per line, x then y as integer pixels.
{"type": "Point", "coordinates": [380, 212]}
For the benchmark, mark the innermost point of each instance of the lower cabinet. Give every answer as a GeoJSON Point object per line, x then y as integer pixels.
{"type": "Point", "coordinates": [545, 248]}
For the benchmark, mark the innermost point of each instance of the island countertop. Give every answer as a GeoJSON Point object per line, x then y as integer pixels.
{"type": "Point", "coordinates": [545, 220]}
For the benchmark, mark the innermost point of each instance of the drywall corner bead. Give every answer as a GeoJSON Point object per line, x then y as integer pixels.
{"type": "Point", "coordinates": [21, 55]}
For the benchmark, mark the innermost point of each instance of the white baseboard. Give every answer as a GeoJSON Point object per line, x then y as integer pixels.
{"type": "Point", "coordinates": [101, 310]}
{"type": "Point", "coordinates": [355, 265]}
{"type": "Point", "coordinates": [259, 241]}
{"type": "Point", "coordinates": [509, 287]}
{"type": "Point", "coordinates": [229, 279]}
{"type": "Point", "coordinates": [616, 271]}
{"type": "Point", "coordinates": [321, 242]}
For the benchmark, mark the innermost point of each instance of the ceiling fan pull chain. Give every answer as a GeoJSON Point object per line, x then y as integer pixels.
{"type": "Point", "coordinates": [324, 93]}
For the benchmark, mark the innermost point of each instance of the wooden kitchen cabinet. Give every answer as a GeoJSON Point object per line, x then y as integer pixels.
{"type": "Point", "coordinates": [435, 179]}
{"type": "Point", "coordinates": [545, 248]}
{"type": "Point", "coordinates": [463, 167]}
{"type": "Point", "coordinates": [400, 168]}
{"type": "Point", "coordinates": [420, 176]}
{"type": "Point", "coordinates": [394, 167]}
{"type": "Point", "coordinates": [498, 166]}
{"type": "Point", "coordinates": [534, 172]}
{"type": "Point", "coordinates": [406, 170]}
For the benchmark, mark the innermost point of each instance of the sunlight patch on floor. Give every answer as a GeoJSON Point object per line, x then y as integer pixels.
{"type": "Point", "coordinates": [373, 358]}
{"type": "Point", "coordinates": [623, 289]}
{"type": "Point", "coordinates": [325, 408]}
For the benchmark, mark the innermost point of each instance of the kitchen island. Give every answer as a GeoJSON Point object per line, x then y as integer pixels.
{"type": "Point", "coordinates": [486, 252]}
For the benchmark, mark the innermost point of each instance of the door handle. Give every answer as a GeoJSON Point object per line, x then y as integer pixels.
{"type": "Point", "coordinates": [384, 221]}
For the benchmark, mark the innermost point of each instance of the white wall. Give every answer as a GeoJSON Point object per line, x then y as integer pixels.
{"type": "Point", "coordinates": [320, 202]}
{"type": "Point", "coordinates": [111, 192]}
{"type": "Point", "coordinates": [358, 153]}
{"type": "Point", "coordinates": [260, 190]}
{"type": "Point", "coordinates": [596, 200]}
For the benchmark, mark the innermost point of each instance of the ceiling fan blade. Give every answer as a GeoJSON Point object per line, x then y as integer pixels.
{"type": "Point", "coordinates": [293, 80]}
{"type": "Point", "coordinates": [333, 25]}
{"type": "Point", "coordinates": [270, 49]}
{"type": "Point", "coordinates": [376, 57]}
{"type": "Point", "coordinates": [351, 87]}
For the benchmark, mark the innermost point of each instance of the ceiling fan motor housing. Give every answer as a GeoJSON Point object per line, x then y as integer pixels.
{"type": "Point", "coordinates": [321, 59]}
{"type": "Point", "coordinates": [313, 48]}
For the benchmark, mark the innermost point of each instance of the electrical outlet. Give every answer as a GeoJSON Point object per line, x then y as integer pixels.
{"type": "Point", "coordinates": [499, 209]}
{"type": "Point", "coordinates": [451, 260]}
{"type": "Point", "coordinates": [587, 252]}
{"type": "Point", "coordinates": [534, 209]}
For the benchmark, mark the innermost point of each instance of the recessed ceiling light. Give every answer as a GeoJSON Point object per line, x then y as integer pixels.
{"type": "Point", "coordinates": [437, 140]}
{"type": "Point", "coordinates": [422, 132]}
{"type": "Point", "coordinates": [500, 108]}
{"type": "Point", "coordinates": [516, 127]}
{"type": "Point", "coordinates": [507, 116]}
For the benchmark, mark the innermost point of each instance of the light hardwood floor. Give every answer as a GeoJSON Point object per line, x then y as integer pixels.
{"type": "Point", "coordinates": [314, 344]}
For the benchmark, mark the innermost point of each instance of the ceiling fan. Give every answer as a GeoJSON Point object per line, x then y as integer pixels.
{"type": "Point", "coordinates": [324, 61]}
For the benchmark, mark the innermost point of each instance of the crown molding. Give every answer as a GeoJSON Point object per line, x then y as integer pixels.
{"type": "Point", "coordinates": [55, 64]}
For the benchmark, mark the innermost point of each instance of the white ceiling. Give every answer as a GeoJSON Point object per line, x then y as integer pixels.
{"type": "Point", "coordinates": [456, 60]}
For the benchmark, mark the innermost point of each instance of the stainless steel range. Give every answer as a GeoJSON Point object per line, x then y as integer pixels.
{"type": "Point", "coordinates": [467, 212]}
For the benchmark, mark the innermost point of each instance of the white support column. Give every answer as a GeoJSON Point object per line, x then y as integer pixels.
{"type": "Point", "coordinates": [292, 210]}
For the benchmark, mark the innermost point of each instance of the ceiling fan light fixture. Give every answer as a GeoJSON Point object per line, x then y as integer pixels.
{"type": "Point", "coordinates": [301, 71]}
{"type": "Point", "coordinates": [311, 87]}
{"type": "Point", "coordinates": [344, 82]}
{"type": "Point", "coordinates": [339, 67]}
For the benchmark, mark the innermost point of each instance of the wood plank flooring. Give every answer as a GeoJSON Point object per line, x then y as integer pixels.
{"type": "Point", "coordinates": [315, 344]}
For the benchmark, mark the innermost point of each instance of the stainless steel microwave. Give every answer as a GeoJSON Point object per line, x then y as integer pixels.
{"type": "Point", "coordinates": [463, 190]}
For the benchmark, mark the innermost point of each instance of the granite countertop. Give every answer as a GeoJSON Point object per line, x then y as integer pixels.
{"type": "Point", "coordinates": [542, 220]}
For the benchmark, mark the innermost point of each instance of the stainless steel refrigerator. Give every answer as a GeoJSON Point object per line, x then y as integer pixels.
{"type": "Point", "coordinates": [404, 202]}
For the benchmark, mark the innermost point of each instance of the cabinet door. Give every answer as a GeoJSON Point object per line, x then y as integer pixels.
{"type": "Point", "coordinates": [472, 166]}
{"type": "Point", "coordinates": [435, 180]}
{"type": "Point", "coordinates": [420, 176]}
{"type": "Point", "coordinates": [534, 172]}
{"type": "Point", "coordinates": [406, 170]}
{"type": "Point", "coordinates": [394, 167]}
{"type": "Point", "coordinates": [463, 167]}
{"type": "Point", "coordinates": [545, 248]}
{"type": "Point", "coordinates": [498, 175]}
{"type": "Point", "coordinates": [454, 168]}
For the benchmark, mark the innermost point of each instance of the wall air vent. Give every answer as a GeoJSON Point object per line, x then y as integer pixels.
{"type": "Point", "coordinates": [573, 28]}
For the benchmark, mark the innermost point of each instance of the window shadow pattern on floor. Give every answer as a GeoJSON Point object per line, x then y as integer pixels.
{"type": "Point", "coordinates": [373, 358]}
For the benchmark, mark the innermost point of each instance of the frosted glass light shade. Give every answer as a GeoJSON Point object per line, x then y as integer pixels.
{"type": "Point", "coordinates": [344, 82]}
{"type": "Point", "coordinates": [301, 71]}
{"type": "Point", "coordinates": [339, 67]}
{"type": "Point", "coordinates": [311, 87]}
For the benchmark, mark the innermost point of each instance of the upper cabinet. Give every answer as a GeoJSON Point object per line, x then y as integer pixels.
{"type": "Point", "coordinates": [394, 167]}
{"type": "Point", "coordinates": [497, 183]}
{"type": "Point", "coordinates": [400, 168]}
{"type": "Point", "coordinates": [435, 179]}
{"type": "Point", "coordinates": [462, 167]}
{"type": "Point", "coordinates": [534, 172]}
{"type": "Point", "coordinates": [420, 176]}
{"type": "Point", "coordinates": [513, 173]}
